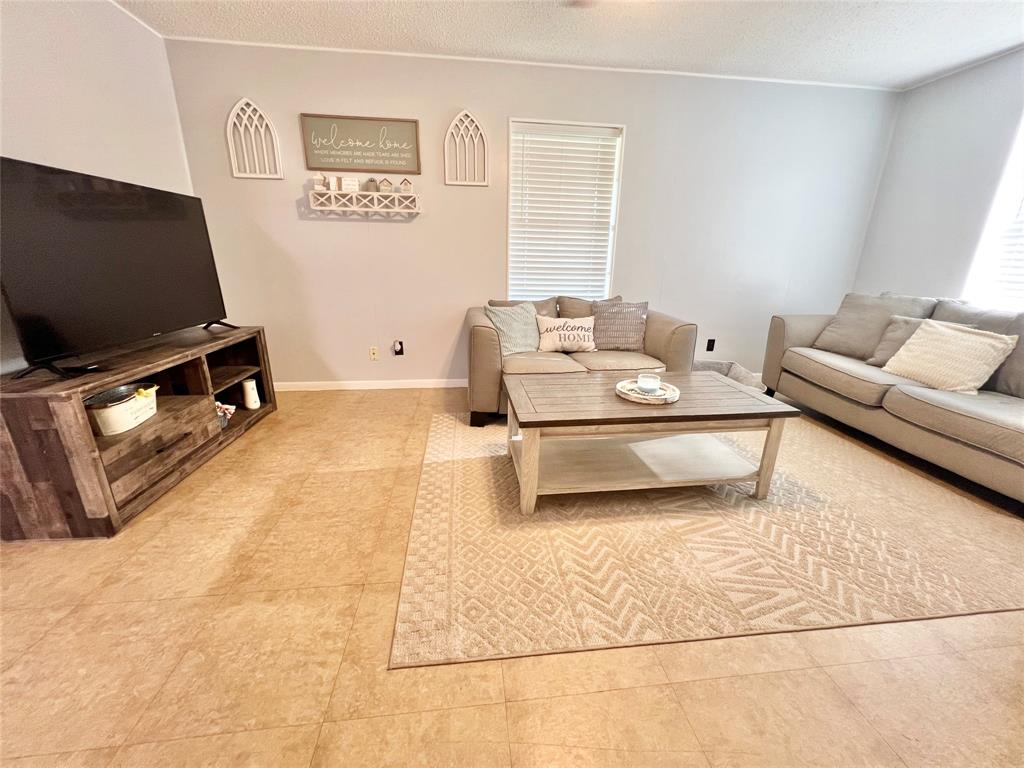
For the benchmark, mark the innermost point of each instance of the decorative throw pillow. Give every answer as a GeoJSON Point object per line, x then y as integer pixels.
{"type": "Point", "coordinates": [516, 326]}
{"type": "Point", "coordinates": [858, 325]}
{"type": "Point", "coordinates": [1009, 378]}
{"type": "Point", "coordinates": [569, 306]}
{"type": "Point", "coordinates": [566, 334]}
{"type": "Point", "coordinates": [547, 307]}
{"type": "Point", "coordinates": [900, 329]}
{"type": "Point", "coordinates": [951, 357]}
{"type": "Point", "coordinates": [620, 325]}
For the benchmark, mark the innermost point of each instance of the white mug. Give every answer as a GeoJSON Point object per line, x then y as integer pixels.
{"type": "Point", "coordinates": [249, 395]}
{"type": "Point", "coordinates": [648, 382]}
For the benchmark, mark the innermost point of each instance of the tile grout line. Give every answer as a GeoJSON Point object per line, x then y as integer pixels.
{"type": "Point", "coordinates": [202, 624]}
{"type": "Point", "coordinates": [863, 716]}
{"type": "Point", "coordinates": [504, 708]}
{"type": "Point", "coordinates": [337, 673]}
{"type": "Point", "coordinates": [74, 607]}
{"type": "Point", "coordinates": [682, 707]}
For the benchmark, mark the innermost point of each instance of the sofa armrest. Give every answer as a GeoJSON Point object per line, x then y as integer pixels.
{"type": "Point", "coordinates": [670, 340]}
{"type": "Point", "coordinates": [484, 362]}
{"type": "Point", "coordinates": [787, 331]}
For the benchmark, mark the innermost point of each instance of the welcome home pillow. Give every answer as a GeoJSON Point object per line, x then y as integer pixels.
{"type": "Point", "coordinates": [951, 357]}
{"type": "Point", "coordinates": [566, 334]}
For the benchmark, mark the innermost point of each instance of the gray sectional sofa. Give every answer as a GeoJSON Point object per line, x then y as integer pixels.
{"type": "Point", "coordinates": [979, 436]}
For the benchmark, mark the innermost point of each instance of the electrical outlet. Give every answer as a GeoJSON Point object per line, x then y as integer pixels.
{"type": "Point", "coordinates": [711, 345]}
{"type": "Point", "coordinates": [398, 347]}
{"type": "Point", "coordinates": [374, 354]}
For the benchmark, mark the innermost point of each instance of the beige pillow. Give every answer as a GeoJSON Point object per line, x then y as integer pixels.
{"type": "Point", "coordinates": [951, 357]}
{"type": "Point", "coordinates": [861, 320]}
{"type": "Point", "coordinates": [547, 307]}
{"type": "Point", "coordinates": [566, 334]}
{"type": "Point", "coordinates": [569, 306]}
{"type": "Point", "coordinates": [900, 329]}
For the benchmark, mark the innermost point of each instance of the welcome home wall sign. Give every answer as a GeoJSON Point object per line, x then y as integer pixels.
{"type": "Point", "coordinates": [361, 144]}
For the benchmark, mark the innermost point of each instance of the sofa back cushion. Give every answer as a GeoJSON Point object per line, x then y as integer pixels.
{"type": "Point", "coordinates": [861, 320]}
{"type": "Point", "coordinates": [1009, 377]}
{"type": "Point", "coordinates": [569, 306]}
{"type": "Point", "coordinates": [516, 326]}
{"type": "Point", "coordinates": [546, 307]}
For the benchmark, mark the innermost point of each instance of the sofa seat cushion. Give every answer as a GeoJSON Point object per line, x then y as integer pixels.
{"type": "Point", "coordinates": [988, 420]}
{"type": "Point", "coordinates": [617, 360]}
{"type": "Point", "coordinates": [540, 362]}
{"type": "Point", "coordinates": [843, 375]}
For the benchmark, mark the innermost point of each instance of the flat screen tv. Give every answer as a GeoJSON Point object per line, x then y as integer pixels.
{"type": "Point", "coordinates": [88, 263]}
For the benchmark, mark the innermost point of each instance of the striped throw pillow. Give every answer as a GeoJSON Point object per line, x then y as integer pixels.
{"type": "Point", "coordinates": [516, 326]}
{"type": "Point", "coordinates": [620, 325]}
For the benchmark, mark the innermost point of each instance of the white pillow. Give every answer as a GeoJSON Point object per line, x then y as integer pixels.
{"type": "Point", "coordinates": [566, 334]}
{"type": "Point", "coordinates": [951, 357]}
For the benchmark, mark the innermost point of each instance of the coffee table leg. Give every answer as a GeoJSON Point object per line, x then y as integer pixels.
{"type": "Point", "coordinates": [771, 450]}
{"type": "Point", "coordinates": [513, 424]}
{"type": "Point", "coordinates": [529, 466]}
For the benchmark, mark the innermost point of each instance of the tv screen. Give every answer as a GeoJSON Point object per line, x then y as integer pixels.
{"type": "Point", "coordinates": [88, 263]}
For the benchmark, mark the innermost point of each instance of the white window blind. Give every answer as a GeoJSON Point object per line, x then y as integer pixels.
{"type": "Point", "coordinates": [997, 273]}
{"type": "Point", "coordinates": [562, 204]}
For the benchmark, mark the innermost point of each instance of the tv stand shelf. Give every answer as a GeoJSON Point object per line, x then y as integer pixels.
{"type": "Point", "coordinates": [223, 376]}
{"type": "Point", "coordinates": [59, 480]}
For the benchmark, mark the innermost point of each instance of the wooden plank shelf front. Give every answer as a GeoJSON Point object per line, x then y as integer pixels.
{"type": "Point", "coordinates": [383, 204]}
{"type": "Point", "coordinates": [168, 411]}
{"type": "Point", "coordinates": [223, 376]}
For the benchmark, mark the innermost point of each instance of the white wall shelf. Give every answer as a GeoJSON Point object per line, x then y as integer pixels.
{"type": "Point", "coordinates": [391, 205]}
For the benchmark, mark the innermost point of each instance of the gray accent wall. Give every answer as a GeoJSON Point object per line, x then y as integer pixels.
{"type": "Point", "coordinates": [87, 87]}
{"type": "Point", "coordinates": [949, 147]}
{"type": "Point", "coordinates": [739, 199]}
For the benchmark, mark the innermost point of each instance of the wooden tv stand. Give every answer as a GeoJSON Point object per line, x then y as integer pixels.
{"type": "Point", "coordinates": [60, 481]}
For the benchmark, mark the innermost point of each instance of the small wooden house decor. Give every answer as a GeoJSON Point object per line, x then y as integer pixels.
{"type": "Point", "coordinates": [405, 187]}
{"type": "Point", "coordinates": [385, 185]}
{"type": "Point", "coordinates": [320, 182]}
{"type": "Point", "coordinates": [252, 143]}
{"type": "Point", "coordinates": [465, 152]}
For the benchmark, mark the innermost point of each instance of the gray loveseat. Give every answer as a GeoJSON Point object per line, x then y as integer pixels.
{"type": "Point", "coordinates": [668, 346]}
{"type": "Point", "coordinates": [979, 436]}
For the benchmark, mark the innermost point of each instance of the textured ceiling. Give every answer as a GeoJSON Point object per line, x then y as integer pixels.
{"type": "Point", "coordinates": [882, 44]}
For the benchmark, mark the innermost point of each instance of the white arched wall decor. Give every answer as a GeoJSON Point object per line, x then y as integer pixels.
{"type": "Point", "coordinates": [465, 152]}
{"type": "Point", "coordinates": [252, 143]}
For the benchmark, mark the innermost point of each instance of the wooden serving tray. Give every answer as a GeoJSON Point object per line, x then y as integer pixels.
{"type": "Point", "coordinates": [629, 390]}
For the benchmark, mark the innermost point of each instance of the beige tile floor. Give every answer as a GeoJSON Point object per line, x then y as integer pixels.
{"type": "Point", "coordinates": [245, 620]}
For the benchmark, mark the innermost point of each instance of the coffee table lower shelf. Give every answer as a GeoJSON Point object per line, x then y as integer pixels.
{"type": "Point", "coordinates": [629, 462]}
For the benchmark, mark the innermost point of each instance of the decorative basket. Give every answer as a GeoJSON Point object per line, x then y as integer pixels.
{"type": "Point", "coordinates": [122, 408]}
{"type": "Point", "coordinates": [629, 390]}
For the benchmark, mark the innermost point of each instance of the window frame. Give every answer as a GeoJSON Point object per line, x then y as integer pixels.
{"type": "Point", "coordinates": [616, 193]}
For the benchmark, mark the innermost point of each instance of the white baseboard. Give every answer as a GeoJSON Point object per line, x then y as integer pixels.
{"type": "Point", "coordinates": [316, 386]}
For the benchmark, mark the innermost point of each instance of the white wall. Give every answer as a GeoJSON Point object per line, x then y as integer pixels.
{"type": "Point", "coordinates": [87, 87]}
{"type": "Point", "coordinates": [739, 199]}
{"type": "Point", "coordinates": [950, 144]}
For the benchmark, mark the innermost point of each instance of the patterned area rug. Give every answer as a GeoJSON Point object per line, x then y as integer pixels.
{"type": "Point", "coordinates": [847, 536]}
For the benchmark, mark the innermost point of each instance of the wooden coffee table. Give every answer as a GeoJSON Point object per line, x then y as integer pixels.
{"type": "Point", "coordinates": [570, 433]}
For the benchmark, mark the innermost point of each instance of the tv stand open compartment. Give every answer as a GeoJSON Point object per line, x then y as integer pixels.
{"type": "Point", "coordinates": [60, 480]}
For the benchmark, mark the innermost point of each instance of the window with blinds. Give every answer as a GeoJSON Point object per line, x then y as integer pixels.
{"type": "Point", "coordinates": [563, 194]}
{"type": "Point", "coordinates": [997, 273]}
